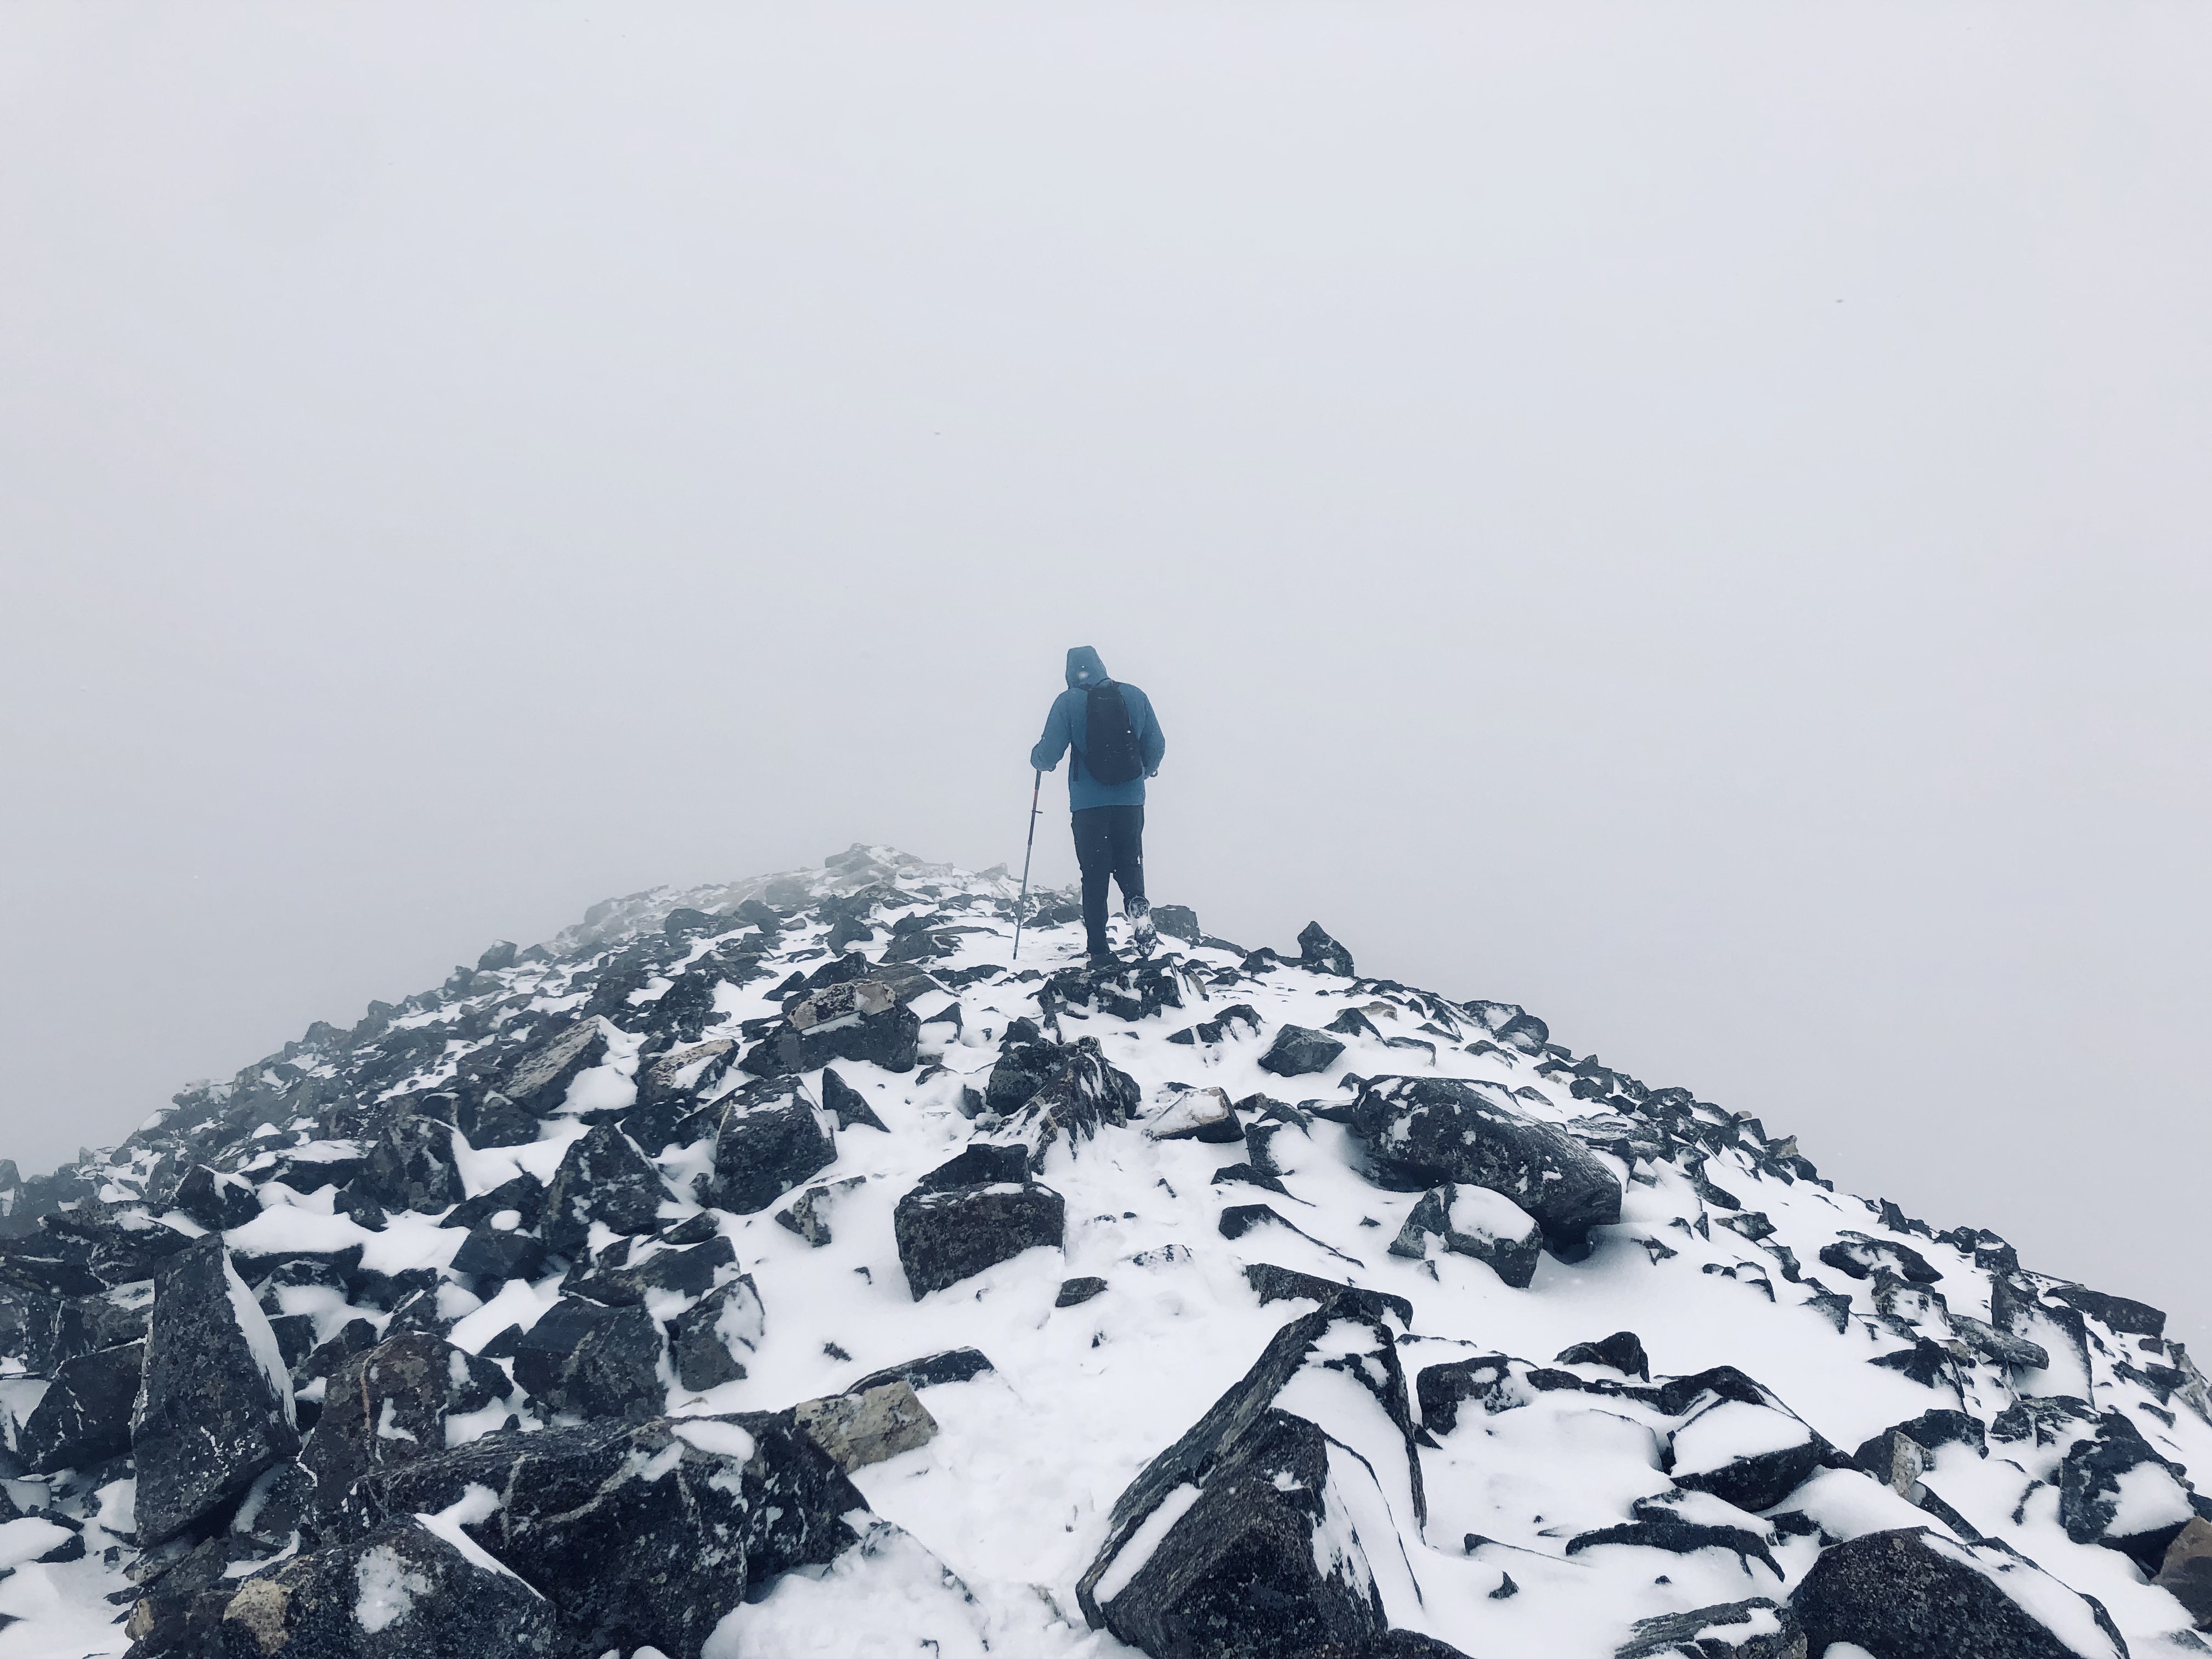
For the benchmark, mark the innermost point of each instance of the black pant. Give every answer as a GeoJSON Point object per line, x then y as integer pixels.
{"type": "Point", "coordinates": [1110, 841]}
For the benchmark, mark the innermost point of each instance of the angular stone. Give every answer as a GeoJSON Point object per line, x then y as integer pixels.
{"type": "Point", "coordinates": [848, 1104]}
{"type": "Point", "coordinates": [1756, 1629]}
{"type": "Point", "coordinates": [808, 1215]}
{"type": "Point", "coordinates": [1073, 1292]}
{"type": "Point", "coordinates": [1622, 1351]}
{"type": "Point", "coordinates": [603, 1177]}
{"type": "Point", "coordinates": [868, 1425]}
{"type": "Point", "coordinates": [412, 1167]}
{"type": "Point", "coordinates": [1023, 1067]}
{"type": "Point", "coordinates": [592, 1360]}
{"type": "Point", "coordinates": [405, 1592]}
{"type": "Point", "coordinates": [772, 1138]}
{"type": "Point", "coordinates": [487, 1253]}
{"type": "Point", "coordinates": [1084, 1092]}
{"type": "Point", "coordinates": [1912, 1594]}
{"type": "Point", "coordinates": [1323, 954]}
{"type": "Point", "coordinates": [1298, 1051]}
{"type": "Point", "coordinates": [656, 1268]}
{"type": "Point", "coordinates": [857, 1020]}
{"type": "Point", "coordinates": [972, 1212]}
{"type": "Point", "coordinates": [2186, 1571]}
{"type": "Point", "coordinates": [1858, 1256]}
{"type": "Point", "coordinates": [954, 1365]}
{"type": "Point", "coordinates": [1473, 1221]}
{"type": "Point", "coordinates": [217, 1407]}
{"type": "Point", "coordinates": [1423, 1131]}
{"type": "Point", "coordinates": [538, 1083]}
{"type": "Point", "coordinates": [642, 1533]}
{"type": "Point", "coordinates": [712, 1334]}
{"type": "Point", "coordinates": [2089, 1482]}
{"type": "Point", "coordinates": [84, 1416]}
{"type": "Point", "coordinates": [1195, 1114]}
{"type": "Point", "coordinates": [217, 1202]}
{"type": "Point", "coordinates": [389, 1405]}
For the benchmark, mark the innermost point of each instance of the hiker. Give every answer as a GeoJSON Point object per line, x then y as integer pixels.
{"type": "Point", "coordinates": [1117, 744]}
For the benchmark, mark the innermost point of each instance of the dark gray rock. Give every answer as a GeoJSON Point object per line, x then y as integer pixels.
{"type": "Point", "coordinates": [1474, 1221]}
{"type": "Point", "coordinates": [1622, 1351]}
{"type": "Point", "coordinates": [857, 1020]}
{"type": "Point", "coordinates": [2089, 1492]}
{"type": "Point", "coordinates": [523, 1193]}
{"type": "Point", "coordinates": [390, 1404]}
{"type": "Point", "coordinates": [972, 1212]}
{"type": "Point", "coordinates": [848, 1104]}
{"type": "Point", "coordinates": [711, 1335]}
{"type": "Point", "coordinates": [684, 1270]}
{"type": "Point", "coordinates": [402, 1593]}
{"type": "Point", "coordinates": [2115, 1312]}
{"type": "Point", "coordinates": [1084, 1092]}
{"type": "Point", "coordinates": [592, 1360]}
{"type": "Point", "coordinates": [1236, 1574]}
{"type": "Point", "coordinates": [412, 1167]}
{"type": "Point", "coordinates": [1856, 1256]}
{"type": "Point", "coordinates": [603, 1177]}
{"type": "Point", "coordinates": [1272, 1284]}
{"type": "Point", "coordinates": [217, 1201]}
{"type": "Point", "coordinates": [498, 956]}
{"type": "Point", "coordinates": [644, 1534]}
{"type": "Point", "coordinates": [538, 1083]}
{"type": "Point", "coordinates": [84, 1416]}
{"type": "Point", "coordinates": [1073, 1292]}
{"type": "Point", "coordinates": [2186, 1571]}
{"type": "Point", "coordinates": [487, 1253]}
{"type": "Point", "coordinates": [954, 1365]}
{"type": "Point", "coordinates": [1023, 1067]}
{"type": "Point", "coordinates": [1323, 954]}
{"type": "Point", "coordinates": [1705, 1460]}
{"type": "Point", "coordinates": [808, 1215]}
{"type": "Point", "coordinates": [1769, 1630]}
{"type": "Point", "coordinates": [772, 1138]}
{"type": "Point", "coordinates": [1178, 921]}
{"type": "Point", "coordinates": [1423, 1131]}
{"type": "Point", "coordinates": [1298, 1051]}
{"type": "Point", "coordinates": [217, 1407]}
{"type": "Point", "coordinates": [488, 1118]}
{"type": "Point", "coordinates": [1680, 1537]}
{"type": "Point", "coordinates": [1913, 1594]}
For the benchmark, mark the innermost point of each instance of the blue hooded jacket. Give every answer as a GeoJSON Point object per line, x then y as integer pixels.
{"type": "Point", "coordinates": [1065, 727]}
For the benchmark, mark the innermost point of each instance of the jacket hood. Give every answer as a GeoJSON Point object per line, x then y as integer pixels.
{"type": "Point", "coordinates": [1084, 670]}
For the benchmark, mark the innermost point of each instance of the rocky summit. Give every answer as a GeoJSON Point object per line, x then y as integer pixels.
{"type": "Point", "coordinates": [781, 1268]}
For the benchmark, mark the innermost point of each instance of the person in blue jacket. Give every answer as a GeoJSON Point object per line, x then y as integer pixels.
{"type": "Point", "coordinates": [1109, 817]}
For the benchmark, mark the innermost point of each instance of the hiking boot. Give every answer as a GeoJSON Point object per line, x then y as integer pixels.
{"type": "Point", "coordinates": [1142, 933]}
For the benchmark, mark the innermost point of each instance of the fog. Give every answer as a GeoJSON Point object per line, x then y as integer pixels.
{"type": "Point", "coordinates": [1690, 519]}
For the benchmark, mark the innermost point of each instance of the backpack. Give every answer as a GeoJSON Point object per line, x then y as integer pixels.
{"type": "Point", "coordinates": [1109, 746]}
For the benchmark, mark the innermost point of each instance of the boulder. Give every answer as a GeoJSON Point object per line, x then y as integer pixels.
{"type": "Point", "coordinates": [1709, 1449]}
{"type": "Point", "coordinates": [1855, 1255]}
{"type": "Point", "coordinates": [1298, 1051]}
{"type": "Point", "coordinates": [1323, 954]}
{"type": "Point", "coordinates": [2090, 1479]}
{"type": "Point", "coordinates": [2186, 1571]}
{"type": "Point", "coordinates": [1195, 1114]}
{"type": "Point", "coordinates": [711, 1335]}
{"type": "Point", "coordinates": [1084, 1092]}
{"type": "Point", "coordinates": [410, 1167]}
{"type": "Point", "coordinates": [1913, 1594]}
{"type": "Point", "coordinates": [524, 1194]}
{"type": "Point", "coordinates": [772, 1138]}
{"type": "Point", "coordinates": [1073, 1292]}
{"type": "Point", "coordinates": [1622, 1351]}
{"type": "Point", "coordinates": [1473, 1221]}
{"type": "Point", "coordinates": [84, 1416]}
{"type": "Point", "coordinates": [953, 1365]}
{"type": "Point", "coordinates": [389, 1404]}
{"type": "Point", "coordinates": [1289, 1494]}
{"type": "Point", "coordinates": [1671, 1533]}
{"type": "Point", "coordinates": [497, 956]}
{"type": "Point", "coordinates": [603, 1177]}
{"type": "Point", "coordinates": [1178, 921]}
{"type": "Point", "coordinates": [867, 1426]}
{"type": "Point", "coordinates": [217, 1201]}
{"type": "Point", "coordinates": [1023, 1066]}
{"type": "Point", "coordinates": [655, 1269]}
{"type": "Point", "coordinates": [642, 1534]}
{"type": "Point", "coordinates": [1756, 1629]}
{"type": "Point", "coordinates": [808, 1215]}
{"type": "Point", "coordinates": [419, 1589]}
{"type": "Point", "coordinates": [537, 1083]}
{"type": "Point", "coordinates": [848, 1104]}
{"type": "Point", "coordinates": [592, 1360]}
{"type": "Point", "coordinates": [1424, 1131]}
{"type": "Point", "coordinates": [854, 1020]}
{"type": "Point", "coordinates": [216, 1409]}
{"type": "Point", "coordinates": [487, 1253]}
{"type": "Point", "coordinates": [971, 1212]}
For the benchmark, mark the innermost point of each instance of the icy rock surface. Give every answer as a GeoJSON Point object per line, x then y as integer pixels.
{"type": "Point", "coordinates": [779, 1269]}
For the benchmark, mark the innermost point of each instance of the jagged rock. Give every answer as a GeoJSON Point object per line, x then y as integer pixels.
{"type": "Point", "coordinates": [1023, 1066]}
{"type": "Point", "coordinates": [641, 1533]}
{"type": "Point", "coordinates": [524, 1194]}
{"type": "Point", "coordinates": [412, 1167]}
{"type": "Point", "coordinates": [1724, 1411]}
{"type": "Point", "coordinates": [390, 1404]}
{"type": "Point", "coordinates": [1912, 1594]}
{"type": "Point", "coordinates": [84, 1416]}
{"type": "Point", "coordinates": [1271, 1509]}
{"type": "Point", "coordinates": [657, 1267]}
{"type": "Point", "coordinates": [710, 1334]}
{"type": "Point", "coordinates": [217, 1407]}
{"type": "Point", "coordinates": [2000, 1347]}
{"type": "Point", "coordinates": [955, 1365]}
{"type": "Point", "coordinates": [278, 1510]}
{"type": "Point", "coordinates": [808, 1215]}
{"type": "Point", "coordinates": [1195, 1114]}
{"type": "Point", "coordinates": [1856, 1256]}
{"type": "Point", "coordinates": [86, 1324]}
{"type": "Point", "coordinates": [1128, 991]}
{"type": "Point", "coordinates": [2089, 1484]}
{"type": "Point", "coordinates": [538, 1083]}
{"type": "Point", "coordinates": [603, 1177]}
{"type": "Point", "coordinates": [1298, 1051]}
{"type": "Point", "coordinates": [1178, 921]}
{"type": "Point", "coordinates": [866, 1425]}
{"type": "Point", "coordinates": [1084, 1092]}
{"type": "Point", "coordinates": [1424, 1131]}
{"type": "Point", "coordinates": [2186, 1571]}
{"type": "Point", "coordinates": [217, 1201]}
{"type": "Point", "coordinates": [1272, 1284]}
{"type": "Point", "coordinates": [971, 1212]}
{"type": "Point", "coordinates": [497, 957]}
{"type": "Point", "coordinates": [1473, 1221]}
{"type": "Point", "coordinates": [592, 1360]}
{"type": "Point", "coordinates": [1680, 1537]}
{"type": "Point", "coordinates": [1623, 1352]}
{"type": "Point", "coordinates": [1323, 954]}
{"type": "Point", "coordinates": [857, 1020]}
{"type": "Point", "coordinates": [2114, 1313]}
{"type": "Point", "coordinates": [1757, 1629]}
{"type": "Point", "coordinates": [772, 1137]}
{"type": "Point", "coordinates": [488, 1253]}
{"type": "Point", "coordinates": [488, 1118]}
{"type": "Point", "coordinates": [405, 1592]}
{"type": "Point", "coordinates": [1073, 1292]}
{"type": "Point", "coordinates": [848, 1104]}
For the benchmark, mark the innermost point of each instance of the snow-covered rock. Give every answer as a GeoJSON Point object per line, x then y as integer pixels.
{"type": "Point", "coordinates": [780, 1268]}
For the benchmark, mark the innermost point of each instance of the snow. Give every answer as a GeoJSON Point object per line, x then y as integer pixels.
{"type": "Point", "coordinates": [723, 1439]}
{"type": "Point", "coordinates": [478, 1502]}
{"type": "Point", "coordinates": [28, 1539]}
{"type": "Point", "coordinates": [1145, 1540]}
{"type": "Point", "coordinates": [254, 1325]}
{"type": "Point", "coordinates": [388, 1588]}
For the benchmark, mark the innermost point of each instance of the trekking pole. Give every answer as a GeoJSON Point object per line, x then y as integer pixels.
{"type": "Point", "coordinates": [1022, 904]}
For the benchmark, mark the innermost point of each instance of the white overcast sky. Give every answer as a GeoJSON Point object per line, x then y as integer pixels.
{"type": "Point", "coordinates": [1694, 518]}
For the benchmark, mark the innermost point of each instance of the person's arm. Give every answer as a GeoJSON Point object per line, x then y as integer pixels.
{"type": "Point", "coordinates": [1045, 757]}
{"type": "Point", "coordinates": [1151, 742]}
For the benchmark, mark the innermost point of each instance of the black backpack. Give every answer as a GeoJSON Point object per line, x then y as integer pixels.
{"type": "Point", "coordinates": [1109, 746]}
